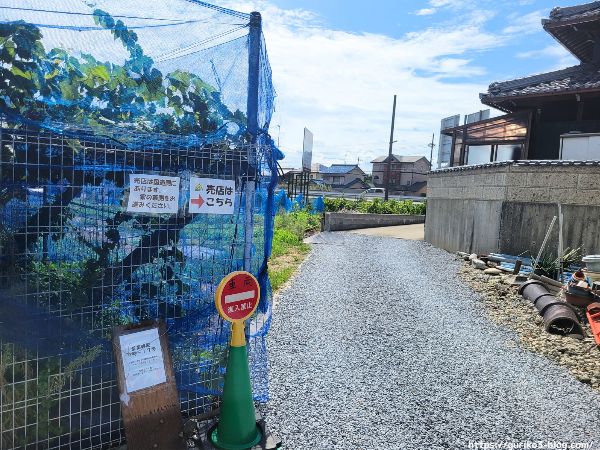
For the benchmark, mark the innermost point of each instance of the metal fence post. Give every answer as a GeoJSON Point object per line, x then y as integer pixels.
{"type": "Point", "coordinates": [254, 44]}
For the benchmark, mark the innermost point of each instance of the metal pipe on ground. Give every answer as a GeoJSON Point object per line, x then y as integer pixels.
{"type": "Point", "coordinates": [559, 317]}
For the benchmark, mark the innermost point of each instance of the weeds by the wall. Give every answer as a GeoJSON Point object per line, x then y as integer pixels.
{"type": "Point", "coordinates": [376, 206]}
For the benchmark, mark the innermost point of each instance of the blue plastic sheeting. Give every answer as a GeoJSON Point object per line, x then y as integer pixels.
{"type": "Point", "coordinates": [94, 92]}
{"type": "Point", "coordinates": [318, 205]}
{"type": "Point", "coordinates": [299, 202]}
{"type": "Point", "coordinates": [526, 266]}
{"type": "Point", "coordinates": [282, 201]}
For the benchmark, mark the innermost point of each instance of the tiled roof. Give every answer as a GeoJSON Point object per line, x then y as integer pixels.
{"type": "Point", "coordinates": [361, 183]}
{"type": "Point", "coordinates": [570, 13]}
{"type": "Point", "coordinates": [530, 162]}
{"type": "Point", "coordinates": [399, 158]}
{"type": "Point", "coordinates": [575, 27]}
{"type": "Point", "coordinates": [339, 168]}
{"type": "Point", "coordinates": [575, 78]}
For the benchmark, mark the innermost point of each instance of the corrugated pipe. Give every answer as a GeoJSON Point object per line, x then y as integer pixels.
{"type": "Point", "coordinates": [559, 317]}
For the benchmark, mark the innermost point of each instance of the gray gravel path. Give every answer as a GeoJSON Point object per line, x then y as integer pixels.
{"type": "Point", "coordinates": [376, 344]}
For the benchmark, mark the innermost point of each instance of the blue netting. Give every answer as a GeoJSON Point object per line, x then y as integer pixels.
{"type": "Point", "coordinates": [318, 205]}
{"type": "Point", "coordinates": [282, 201]}
{"type": "Point", "coordinates": [299, 201]}
{"type": "Point", "coordinates": [93, 92]}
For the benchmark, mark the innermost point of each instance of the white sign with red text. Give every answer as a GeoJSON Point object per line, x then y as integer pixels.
{"type": "Point", "coordinates": [153, 194]}
{"type": "Point", "coordinates": [211, 196]}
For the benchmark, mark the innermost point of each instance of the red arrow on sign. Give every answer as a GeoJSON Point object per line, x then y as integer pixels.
{"type": "Point", "coordinates": [198, 201]}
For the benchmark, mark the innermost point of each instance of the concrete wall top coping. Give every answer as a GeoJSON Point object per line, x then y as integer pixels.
{"type": "Point", "coordinates": [368, 215]}
{"type": "Point", "coordinates": [351, 221]}
{"type": "Point", "coordinates": [516, 164]}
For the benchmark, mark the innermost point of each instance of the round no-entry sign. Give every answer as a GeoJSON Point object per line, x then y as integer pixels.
{"type": "Point", "coordinates": [237, 296]}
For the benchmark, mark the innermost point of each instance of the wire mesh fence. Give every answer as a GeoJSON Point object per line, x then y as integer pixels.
{"type": "Point", "coordinates": [95, 93]}
{"type": "Point", "coordinates": [75, 263]}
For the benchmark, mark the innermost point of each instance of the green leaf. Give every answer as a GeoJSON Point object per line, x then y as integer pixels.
{"type": "Point", "coordinates": [52, 74]}
{"type": "Point", "coordinates": [28, 75]}
{"type": "Point", "coordinates": [103, 19]}
{"type": "Point", "coordinates": [69, 90]}
{"type": "Point", "coordinates": [100, 72]}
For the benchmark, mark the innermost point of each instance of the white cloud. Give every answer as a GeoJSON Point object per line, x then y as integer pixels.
{"type": "Point", "coordinates": [425, 11]}
{"type": "Point", "coordinates": [436, 5]}
{"type": "Point", "coordinates": [340, 85]}
{"type": "Point", "coordinates": [527, 23]}
{"type": "Point", "coordinates": [440, 3]}
{"type": "Point", "coordinates": [556, 52]}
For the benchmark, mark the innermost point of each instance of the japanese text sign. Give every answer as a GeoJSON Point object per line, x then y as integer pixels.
{"type": "Point", "coordinates": [153, 194]}
{"type": "Point", "coordinates": [211, 196]}
{"type": "Point", "coordinates": [237, 296]}
{"type": "Point", "coordinates": [150, 406]}
{"type": "Point", "coordinates": [142, 360]}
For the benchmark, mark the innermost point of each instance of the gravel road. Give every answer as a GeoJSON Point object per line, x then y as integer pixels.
{"type": "Point", "coordinates": [377, 344]}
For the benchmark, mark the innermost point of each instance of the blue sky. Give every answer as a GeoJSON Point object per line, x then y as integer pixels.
{"type": "Point", "coordinates": [337, 63]}
{"type": "Point", "coordinates": [398, 18]}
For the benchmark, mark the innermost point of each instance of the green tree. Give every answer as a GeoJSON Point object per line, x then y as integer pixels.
{"type": "Point", "coordinates": [82, 90]}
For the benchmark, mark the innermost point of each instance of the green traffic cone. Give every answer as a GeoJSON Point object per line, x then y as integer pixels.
{"type": "Point", "coordinates": [237, 429]}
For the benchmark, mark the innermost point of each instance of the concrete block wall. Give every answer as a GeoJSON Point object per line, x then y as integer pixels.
{"type": "Point", "coordinates": [507, 207]}
{"type": "Point", "coordinates": [487, 183]}
{"type": "Point", "coordinates": [354, 221]}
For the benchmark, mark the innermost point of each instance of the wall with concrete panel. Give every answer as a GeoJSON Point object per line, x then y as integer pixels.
{"type": "Point", "coordinates": [507, 207]}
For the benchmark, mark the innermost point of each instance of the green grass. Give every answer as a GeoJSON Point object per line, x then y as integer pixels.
{"type": "Point", "coordinates": [281, 276]}
{"type": "Point", "coordinates": [377, 206]}
{"type": "Point", "coordinates": [288, 249]}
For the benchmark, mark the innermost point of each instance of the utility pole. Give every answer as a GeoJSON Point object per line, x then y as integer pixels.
{"type": "Point", "coordinates": [389, 161]}
{"type": "Point", "coordinates": [431, 146]}
{"type": "Point", "coordinates": [278, 134]}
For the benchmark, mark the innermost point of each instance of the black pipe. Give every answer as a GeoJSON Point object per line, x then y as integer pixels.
{"type": "Point", "coordinates": [532, 290]}
{"type": "Point", "coordinates": [546, 301]}
{"type": "Point", "coordinates": [559, 317]}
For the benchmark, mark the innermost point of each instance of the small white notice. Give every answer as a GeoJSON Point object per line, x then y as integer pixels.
{"type": "Point", "coordinates": [153, 194]}
{"type": "Point", "coordinates": [143, 363]}
{"type": "Point", "coordinates": [211, 196]}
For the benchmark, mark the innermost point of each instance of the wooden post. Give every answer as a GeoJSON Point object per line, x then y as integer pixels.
{"type": "Point", "coordinates": [149, 403]}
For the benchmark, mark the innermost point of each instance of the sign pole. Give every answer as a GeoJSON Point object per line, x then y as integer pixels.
{"type": "Point", "coordinates": [236, 300]}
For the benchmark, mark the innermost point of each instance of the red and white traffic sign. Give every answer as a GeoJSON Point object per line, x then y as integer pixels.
{"type": "Point", "coordinates": [237, 296]}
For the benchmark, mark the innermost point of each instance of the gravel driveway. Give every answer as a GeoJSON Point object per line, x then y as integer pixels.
{"type": "Point", "coordinates": [378, 345]}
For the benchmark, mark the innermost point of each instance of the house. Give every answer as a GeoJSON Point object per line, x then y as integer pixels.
{"type": "Point", "coordinates": [345, 176]}
{"type": "Point", "coordinates": [316, 171]}
{"type": "Point", "coordinates": [287, 173]}
{"type": "Point", "coordinates": [509, 177]}
{"type": "Point", "coordinates": [404, 171]}
{"type": "Point", "coordinates": [544, 111]}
